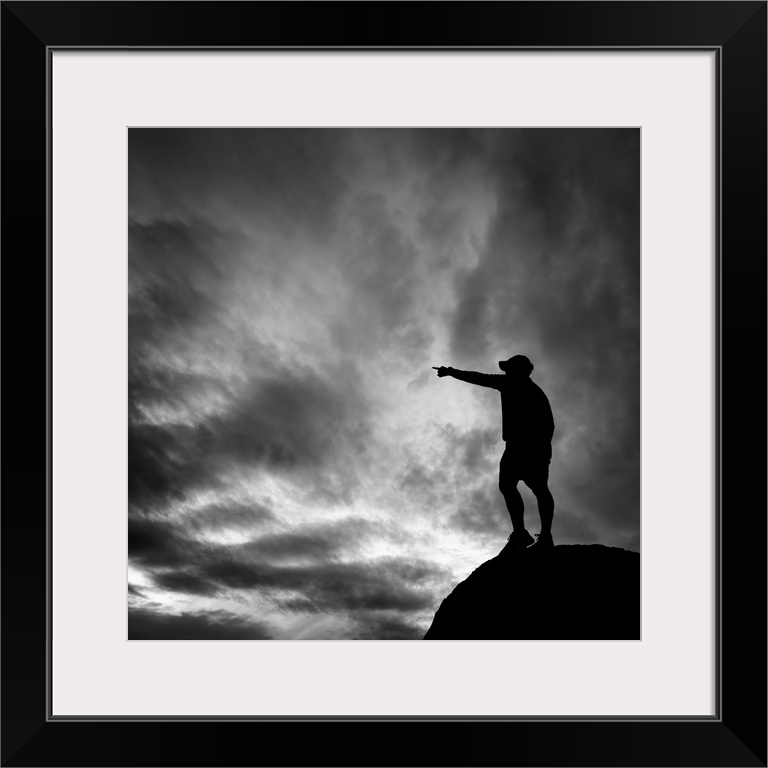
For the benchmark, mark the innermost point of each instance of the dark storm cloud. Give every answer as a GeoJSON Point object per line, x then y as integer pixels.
{"type": "Point", "coordinates": [188, 255]}
{"type": "Point", "coordinates": [390, 584]}
{"type": "Point", "coordinates": [179, 563]}
{"type": "Point", "coordinates": [295, 421]}
{"type": "Point", "coordinates": [562, 259]}
{"type": "Point", "coordinates": [186, 582]}
{"type": "Point", "coordinates": [580, 258]}
{"type": "Point", "coordinates": [382, 267]}
{"type": "Point", "coordinates": [263, 176]}
{"type": "Point", "coordinates": [578, 528]}
{"type": "Point", "coordinates": [472, 321]}
{"type": "Point", "coordinates": [383, 585]}
{"type": "Point", "coordinates": [154, 382]}
{"type": "Point", "coordinates": [299, 419]}
{"type": "Point", "coordinates": [422, 482]}
{"type": "Point", "coordinates": [179, 273]}
{"type": "Point", "coordinates": [330, 586]}
{"type": "Point", "coordinates": [230, 516]}
{"type": "Point", "coordinates": [135, 591]}
{"type": "Point", "coordinates": [389, 628]}
{"type": "Point", "coordinates": [165, 462]}
{"type": "Point", "coordinates": [481, 513]}
{"type": "Point", "coordinates": [145, 624]}
{"type": "Point", "coordinates": [614, 481]}
{"type": "Point", "coordinates": [379, 260]}
{"type": "Point", "coordinates": [315, 541]}
{"type": "Point", "coordinates": [158, 542]}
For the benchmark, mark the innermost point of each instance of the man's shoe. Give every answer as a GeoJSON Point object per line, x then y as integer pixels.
{"type": "Point", "coordinates": [519, 540]}
{"type": "Point", "coordinates": [542, 543]}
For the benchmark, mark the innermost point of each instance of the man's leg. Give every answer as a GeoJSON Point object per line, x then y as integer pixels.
{"type": "Point", "coordinates": [536, 478]}
{"type": "Point", "coordinates": [546, 507]}
{"type": "Point", "coordinates": [508, 480]}
{"type": "Point", "coordinates": [516, 508]}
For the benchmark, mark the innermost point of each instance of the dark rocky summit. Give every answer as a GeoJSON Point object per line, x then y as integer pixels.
{"type": "Point", "coordinates": [574, 592]}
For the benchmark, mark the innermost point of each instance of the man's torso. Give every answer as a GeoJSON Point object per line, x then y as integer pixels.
{"type": "Point", "coordinates": [527, 423]}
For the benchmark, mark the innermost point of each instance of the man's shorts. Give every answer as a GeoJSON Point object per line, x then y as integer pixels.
{"type": "Point", "coordinates": [530, 466]}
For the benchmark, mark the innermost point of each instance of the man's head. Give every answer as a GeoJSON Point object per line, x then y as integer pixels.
{"type": "Point", "coordinates": [518, 366]}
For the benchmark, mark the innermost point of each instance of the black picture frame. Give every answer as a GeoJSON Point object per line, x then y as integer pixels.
{"type": "Point", "coordinates": [736, 736]}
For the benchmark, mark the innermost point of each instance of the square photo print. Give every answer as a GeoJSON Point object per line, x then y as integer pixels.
{"type": "Point", "coordinates": [384, 384]}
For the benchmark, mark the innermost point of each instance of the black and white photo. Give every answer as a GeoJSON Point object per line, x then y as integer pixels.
{"type": "Point", "coordinates": [296, 468]}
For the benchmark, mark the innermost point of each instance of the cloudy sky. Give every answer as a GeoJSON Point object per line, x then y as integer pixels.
{"type": "Point", "coordinates": [296, 469]}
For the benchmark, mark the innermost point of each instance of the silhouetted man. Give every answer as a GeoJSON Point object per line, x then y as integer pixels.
{"type": "Point", "coordinates": [527, 429]}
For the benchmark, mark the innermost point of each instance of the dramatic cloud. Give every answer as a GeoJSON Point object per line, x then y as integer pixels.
{"type": "Point", "coordinates": [144, 624]}
{"type": "Point", "coordinates": [296, 470]}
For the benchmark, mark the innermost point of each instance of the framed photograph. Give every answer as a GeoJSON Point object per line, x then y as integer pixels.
{"type": "Point", "coordinates": [366, 331]}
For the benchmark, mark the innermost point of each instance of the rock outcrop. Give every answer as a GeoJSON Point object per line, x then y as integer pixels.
{"type": "Point", "coordinates": [573, 592]}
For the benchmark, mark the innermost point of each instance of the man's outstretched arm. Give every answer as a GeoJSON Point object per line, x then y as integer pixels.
{"type": "Point", "coordinates": [471, 377]}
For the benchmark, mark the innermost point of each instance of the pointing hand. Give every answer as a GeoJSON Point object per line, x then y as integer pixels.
{"type": "Point", "coordinates": [442, 371]}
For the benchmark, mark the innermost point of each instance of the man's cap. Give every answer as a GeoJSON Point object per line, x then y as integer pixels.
{"type": "Point", "coordinates": [517, 362]}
